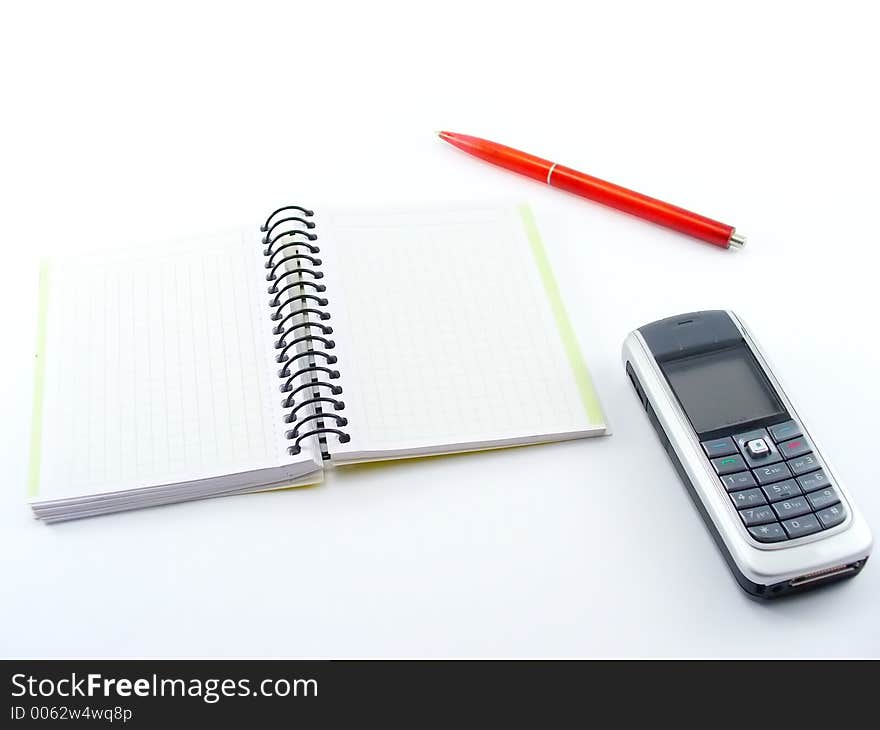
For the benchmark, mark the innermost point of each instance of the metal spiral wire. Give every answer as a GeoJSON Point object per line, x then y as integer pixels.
{"type": "Point", "coordinates": [303, 340]}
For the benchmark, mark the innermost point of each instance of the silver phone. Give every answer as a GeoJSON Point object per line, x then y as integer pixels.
{"type": "Point", "coordinates": [775, 506]}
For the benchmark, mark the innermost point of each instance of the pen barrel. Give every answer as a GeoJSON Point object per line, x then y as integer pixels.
{"type": "Point", "coordinates": [642, 206]}
{"type": "Point", "coordinates": [501, 155]}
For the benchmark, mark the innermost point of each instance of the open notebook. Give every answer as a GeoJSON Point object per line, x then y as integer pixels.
{"type": "Point", "coordinates": [249, 360]}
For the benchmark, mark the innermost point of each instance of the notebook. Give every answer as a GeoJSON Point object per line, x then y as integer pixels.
{"type": "Point", "coordinates": [253, 359]}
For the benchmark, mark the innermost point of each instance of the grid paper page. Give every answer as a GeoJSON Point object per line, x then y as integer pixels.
{"type": "Point", "coordinates": [158, 368]}
{"type": "Point", "coordinates": [444, 333]}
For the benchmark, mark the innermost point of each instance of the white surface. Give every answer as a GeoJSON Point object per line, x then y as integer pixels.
{"type": "Point", "coordinates": [119, 123]}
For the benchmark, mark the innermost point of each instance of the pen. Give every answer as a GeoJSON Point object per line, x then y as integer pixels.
{"type": "Point", "coordinates": [601, 191]}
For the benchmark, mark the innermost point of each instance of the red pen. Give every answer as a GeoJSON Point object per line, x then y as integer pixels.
{"type": "Point", "coordinates": [592, 188]}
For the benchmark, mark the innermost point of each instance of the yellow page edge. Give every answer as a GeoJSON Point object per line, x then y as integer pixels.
{"type": "Point", "coordinates": [589, 399]}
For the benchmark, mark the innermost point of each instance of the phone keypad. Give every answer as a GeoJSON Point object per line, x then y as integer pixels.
{"type": "Point", "coordinates": [776, 482]}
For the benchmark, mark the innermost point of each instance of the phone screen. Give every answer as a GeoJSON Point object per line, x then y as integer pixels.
{"type": "Point", "coordinates": [722, 389]}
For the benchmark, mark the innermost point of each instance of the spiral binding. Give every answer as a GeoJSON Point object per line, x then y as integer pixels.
{"type": "Point", "coordinates": [293, 274]}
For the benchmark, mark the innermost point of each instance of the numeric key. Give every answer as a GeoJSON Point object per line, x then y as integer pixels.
{"type": "Point", "coordinates": [748, 498]}
{"type": "Point", "coordinates": [791, 507]}
{"type": "Point", "coordinates": [757, 515]}
{"type": "Point", "coordinates": [741, 480]}
{"type": "Point", "coordinates": [772, 473]}
{"type": "Point", "coordinates": [823, 498]}
{"type": "Point", "coordinates": [801, 526]}
{"type": "Point", "coordinates": [804, 464]}
{"type": "Point", "coordinates": [816, 480]}
{"type": "Point", "coordinates": [782, 490]}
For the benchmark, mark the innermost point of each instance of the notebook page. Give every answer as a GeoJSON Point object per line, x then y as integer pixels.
{"type": "Point", "coordinates": [446, 337]}
{"type": "Point", "coordinates": [157, 370]}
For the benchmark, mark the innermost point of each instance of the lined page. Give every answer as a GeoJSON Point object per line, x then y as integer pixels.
{"type": "Point", "coordinates": [446, 336]}
{"type": "Point", "coordinates": [158, 369]}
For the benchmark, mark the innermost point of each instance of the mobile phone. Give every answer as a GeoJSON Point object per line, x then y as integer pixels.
{"type": "Point", "coordinates": [775, 506]}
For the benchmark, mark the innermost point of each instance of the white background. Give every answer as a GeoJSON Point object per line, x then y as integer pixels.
{"type": "Point", "coordinates": [124, 123]}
